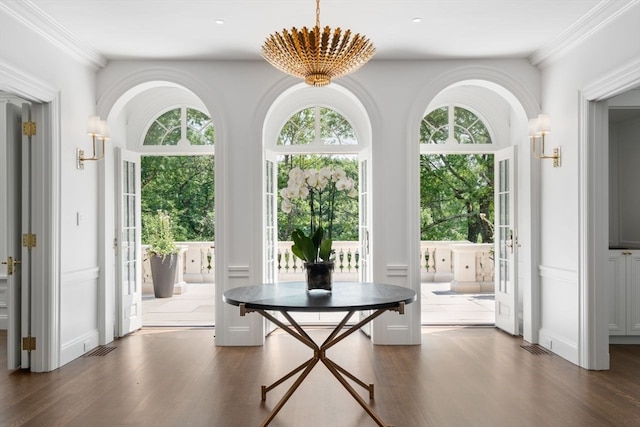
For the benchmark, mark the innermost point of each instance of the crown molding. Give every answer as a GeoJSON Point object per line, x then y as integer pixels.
{"type": "Point", "coordinates": [622, 79]}
{"type": "Point", "coordinates": [593, 21]}
{"type": "Point", "coordinates": [16, 81]}
{"type": "Point", "coordinates": [26, 12]}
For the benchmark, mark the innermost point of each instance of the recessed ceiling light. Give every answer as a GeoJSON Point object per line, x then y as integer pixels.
{"type": "Point", "coordinates": [416, 20]}
{"type": "Point", "coordinates": [219, 21]}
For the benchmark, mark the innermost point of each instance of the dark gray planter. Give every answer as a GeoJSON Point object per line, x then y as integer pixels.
{"type": "Point", "coordinates": [163, 274]}
{"type": "Point", "coordinates": [319, 275]}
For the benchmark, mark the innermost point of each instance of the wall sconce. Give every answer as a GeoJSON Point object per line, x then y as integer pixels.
{"type": "Point", "coordinates": [538, 129]}
{"type": "Point", "coordinates": [97, 129]}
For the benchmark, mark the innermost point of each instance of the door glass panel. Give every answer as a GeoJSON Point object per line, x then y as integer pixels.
{"type": "Point", "coordinates": [504, 227]}
{"type": "Point", "coordinates": [270, 225]}
{"type": "Point", "coordinates": [129, 243]}
{"type": "Point", "coordinates": [504, 175]}
{"type": "Point", "coordinates": [364, 227]}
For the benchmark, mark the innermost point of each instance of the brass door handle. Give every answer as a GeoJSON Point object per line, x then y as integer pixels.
{"type": "Point", "coordinates": [11, 265]}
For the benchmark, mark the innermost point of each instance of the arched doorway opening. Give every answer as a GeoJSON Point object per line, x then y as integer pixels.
{"type": "Point", "coordinates": [337, 135]}
{"type": "Point", "coordinates": [504, 117]}
{"type": "Point", "coordinates": [158, 125]}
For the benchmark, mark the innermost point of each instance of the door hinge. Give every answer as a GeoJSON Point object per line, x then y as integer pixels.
{"type": "Point", "coordinates": [28, 343]}
{"type": "Point", "coordinates": [29, 128]}
{"type": "Point", "coordinates": [29, 240]}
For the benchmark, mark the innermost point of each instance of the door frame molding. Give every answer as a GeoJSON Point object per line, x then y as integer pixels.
{"type": "Point", "coordinates": [46, 277]}
{"type": "Point", "coordinates": [593, 210]}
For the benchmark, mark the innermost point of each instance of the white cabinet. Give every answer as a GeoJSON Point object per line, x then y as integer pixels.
{"type": "Point", "coordinates": [623, 271]}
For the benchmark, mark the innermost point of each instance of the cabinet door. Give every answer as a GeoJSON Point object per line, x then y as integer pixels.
{"type": "Point", "coordinates": [633, 293]}
{"type": "Point", "coordinates": [616, 274]}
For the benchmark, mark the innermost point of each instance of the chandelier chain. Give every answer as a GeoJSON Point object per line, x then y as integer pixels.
{"type": "Point", "coordinates": [318, 13]}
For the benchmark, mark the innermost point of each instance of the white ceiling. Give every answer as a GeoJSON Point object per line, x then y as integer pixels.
{"type": "Point", "coordinates": [187, 29]}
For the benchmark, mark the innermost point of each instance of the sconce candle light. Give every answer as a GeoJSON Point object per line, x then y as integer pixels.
{"type": "Point", "coordinates": [97, 129]}
{"type": "Point", "coordinates": [538, 129]}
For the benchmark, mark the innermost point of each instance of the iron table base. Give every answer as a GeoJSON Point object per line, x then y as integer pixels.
{"type": "Point", "coordinates": [319, 355]}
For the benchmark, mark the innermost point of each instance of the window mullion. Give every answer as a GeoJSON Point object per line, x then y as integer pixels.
{"type": "Point", "coordinates": [183, 125]}
{"type": "Point", "coordinates": [317, 135]}
{"type": "Point", "coordinates": [451, 138]}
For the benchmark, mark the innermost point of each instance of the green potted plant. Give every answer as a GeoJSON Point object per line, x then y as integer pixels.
{"type": "Point", "coordinates": [162, 252]}
{"type": "Point", "coordinates": [319, 187]}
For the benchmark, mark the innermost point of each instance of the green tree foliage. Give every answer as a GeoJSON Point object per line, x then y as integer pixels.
{"type": "Point", "coordinates": [454, 191]}
{"type": "Point", "coordinates": [199, 128]}
{"type": "Point", "coordinates": [301, 127]}
{"type": "Point", "coordinates": [167, 128]}
{"type": "Point", "coordinates": [467, 127]}
{"type": "Point", "coordinates": [182, 186]}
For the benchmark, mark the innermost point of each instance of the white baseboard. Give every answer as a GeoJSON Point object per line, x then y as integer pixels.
{"type": "Point", "coordinates": [560, 346]}
{"type": "Point", "coordinates": [624, 339]}
{"type": "Point", "coordinates": [73, 349]}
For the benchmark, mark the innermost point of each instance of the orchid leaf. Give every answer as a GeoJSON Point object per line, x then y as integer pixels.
{"type": "Point", "coordinates": [325, 249]}
{"type": "Point", "coordinates": [303, 246]}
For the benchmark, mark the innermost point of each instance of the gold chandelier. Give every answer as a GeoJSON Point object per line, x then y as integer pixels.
{"type": "Point", "coordinates": [315, 56]}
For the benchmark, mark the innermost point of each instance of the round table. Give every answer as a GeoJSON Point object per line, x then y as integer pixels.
{"type": "Point", "coordinates": [290, 297]}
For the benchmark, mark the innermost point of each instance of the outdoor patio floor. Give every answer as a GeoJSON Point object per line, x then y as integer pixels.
{"type": "Point", "coordinates": [196, 307]}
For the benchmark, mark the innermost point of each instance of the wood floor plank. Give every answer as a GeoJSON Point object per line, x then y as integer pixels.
{"type": "Point", "coordinates": [457, 377]}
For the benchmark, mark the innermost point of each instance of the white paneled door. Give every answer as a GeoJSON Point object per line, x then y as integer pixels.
{"type": "Point", "coordinates": [506, 241]}
{"type": "Point", "coordinates": [129, 250]}
{"type": "Point", "coordinates": [18, 191]}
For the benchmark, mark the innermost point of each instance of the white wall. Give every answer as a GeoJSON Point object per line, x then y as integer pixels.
{"type": "Point", "coordinates": [26, 51]}
{"type": "Point", "coordinates": [561, 288]}
{"type": "Point", "coordinates": [238, 96]}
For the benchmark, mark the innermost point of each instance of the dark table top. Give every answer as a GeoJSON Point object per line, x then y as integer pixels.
{"type": "Point", "coordinates": [345, 296]}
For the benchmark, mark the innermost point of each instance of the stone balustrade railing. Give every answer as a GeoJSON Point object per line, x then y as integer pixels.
{"type": "Point", "coordinates": [468, 266]}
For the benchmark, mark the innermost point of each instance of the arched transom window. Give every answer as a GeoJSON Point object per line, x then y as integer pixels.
{"type": "Point", "coordinates": [180, 126]}
{"type": "Point", "coordinates": [453, 125]}
{"type": "Point", "coordinates": [317, 126]}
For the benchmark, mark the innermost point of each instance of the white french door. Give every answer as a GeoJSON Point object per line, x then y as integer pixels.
{"type": "Point", "coordinates": [270, 227]}
{"type": "Point", "coordinates": [129, 256]}
{"type": "Point", "coordinates": [363, 182]}
{"type": "Point", "coordinates": [364, 234]}
{"type": "Point", "coordinates": [506, 242]}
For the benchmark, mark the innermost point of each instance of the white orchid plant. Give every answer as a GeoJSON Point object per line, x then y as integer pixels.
{"type": "Point", "coordinates": [320, 187]}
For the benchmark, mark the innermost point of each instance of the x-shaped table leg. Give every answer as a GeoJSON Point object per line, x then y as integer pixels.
{"type": "Point", "coordinates": [319, 355]}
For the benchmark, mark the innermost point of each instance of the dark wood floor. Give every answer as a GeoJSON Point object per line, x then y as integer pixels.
{"type": "Point", "coordinates": [457, 377]}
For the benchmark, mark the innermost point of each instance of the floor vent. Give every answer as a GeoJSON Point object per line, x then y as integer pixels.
{"type": "Point", "coordinates": [535, 349]}
{"type": "Point", "coordinates": [101, 350]}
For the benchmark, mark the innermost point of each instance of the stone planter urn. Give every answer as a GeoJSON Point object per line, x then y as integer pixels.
{"type": "Point", "coordinates": [163, 274]}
